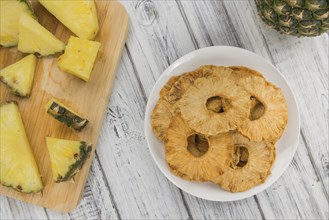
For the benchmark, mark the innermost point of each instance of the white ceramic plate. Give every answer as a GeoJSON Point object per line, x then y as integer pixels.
{"type": "Point", "coordinates": [226, 56]}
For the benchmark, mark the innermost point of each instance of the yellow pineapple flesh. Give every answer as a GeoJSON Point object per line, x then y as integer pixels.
{"type": "Point", "coordinates": [79, 57]}
{"type": "Point", "coordinates": [78, 16]}
{"type": "Point", "coordinates": [19, 76]}
{"type": "Point", "coordinates": [10, 12]}
{"type": "Point", "coordinates": [34, 38]}
{"type": "Point", "coordinates": [18, 168]}
{"type": "Point", "coordinates": [67, 157]}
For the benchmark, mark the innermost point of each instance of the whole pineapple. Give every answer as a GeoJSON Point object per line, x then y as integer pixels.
{"type": "Point", "coordinates": [295, 17]}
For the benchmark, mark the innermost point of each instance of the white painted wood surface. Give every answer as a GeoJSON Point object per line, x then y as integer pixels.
{"type": "Point", "coordinates": [124, 182]}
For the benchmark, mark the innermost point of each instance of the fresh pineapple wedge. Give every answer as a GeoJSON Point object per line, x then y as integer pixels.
{"type": "Point", "coordinates": [67, 157]}
{"type": "Point", "coordinates": [19, 76]}
{"type": "Point", "coordinates": [79, 57]}
{"type": "Point", "coordinates": [10, 12]}
{"type": "Point", "coordinates": [78, 16]}
{"type": "Point", "coordinates": [65, 115]}
{"type": "Point", "coordinates": [33, 38]}
{"type": "Point", "coordinates": [18, 168]}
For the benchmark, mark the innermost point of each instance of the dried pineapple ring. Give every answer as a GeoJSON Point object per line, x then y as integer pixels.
{"type": "Point", "coordinates": [166, 88]}
{"type": "Point", "coordinates": [241, 72]}
{"type": "Point", "coordinates": [234, 110]}
{"type": "Point", "coordinates": [193, 156]}
{"type": "Point", "coordinates": [251, 164]}
{"type": "Point", "coordinates": [180, 85]}
{"type": "Point", "coordinates": [170, 94]}
{"type": "Point", "coordinates": [269, 112]}
{"type": "Point", "coordinates": [161, 117]}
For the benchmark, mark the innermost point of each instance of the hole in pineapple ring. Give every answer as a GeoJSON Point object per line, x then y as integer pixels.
{"type": "Point", "coordinates": [240, 157]}
{"type": "Point", "coordinates": [257, 109]}
{"type": "Point", "coordinates": [218, 104]}
{"type": "Point", "coordinates": [197, 145]}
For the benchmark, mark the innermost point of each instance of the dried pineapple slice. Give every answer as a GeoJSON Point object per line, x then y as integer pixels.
{"type": "Point", "coordinates": [167, 105]}
{"type": "Point", "coordinates": [194, 156]}
{"type": "Point", "coordinates": [161, 117]}
{"type": "Point", "coordinates": [193, 105]}
{"type": "Point", "coordinates": [166, 88]}
{"type": "Point", "coordinates": [269, 111]}
{"type": "Point", "coordinates": [180, 85]}
{"type": "Point", "coordinates": [19, 76]}
{"type": "Point", "coordinates": [65, 115]}
{"type": "Point", "coordinates": [251, 164]}
{"type": "Point", "coordinates": [79, 57]}
{"type": "Point", "coordinates": [67, 157]}
{"type": "Point", "coordinates": [18, 168]}
{"type": "Point", "coordinates": [173, 90]}
{"type": "Point", "coordinates": [241, 72]}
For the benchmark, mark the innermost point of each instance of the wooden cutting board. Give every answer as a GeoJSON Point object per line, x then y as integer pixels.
{"type": "Point", "coordinates": [90, 99]}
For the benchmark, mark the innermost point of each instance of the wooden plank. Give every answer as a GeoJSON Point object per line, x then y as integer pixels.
{"type": "Point", "coordinates": [298, 194]}
{"type": "Point", "coordinates": [158, 36]}
{"type": "Point", "coordinates": [6, 212]}
{"type": "Point", "coordinates": [13, 209]}
{"type": "Point", "coordinates": [248, 32]}
{"type": "Point", "coordinates": [203, 209]}
{"type": "Point", "coordinates": [304, 62]}
{"type": "Point", "coordinates": [161, 38]}
{"type": "Point", "coordinates": [50, 81]}
{"type": "Point", "coordinates": [139, 189]}
{"type": "Point", "coordinates": [97, 201]}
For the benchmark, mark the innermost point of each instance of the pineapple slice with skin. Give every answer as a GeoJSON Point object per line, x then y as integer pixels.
{"type": "Point", "coordinates": [65, 115]}
{"type": "Point", "coordinates": [19, 76]}
{"type": "Point", "coordinates": [78, 16]}
{"type": "Point", "coordinates": [79, 57]}
{"type": "Point", "coordinates": [18, 168]}
{"type": "Point", "coordinates": [67, 157]}
{"type": "Point", "coordinates": [10, 12]}
{"type": "Point", "coordinates": [34, 38]}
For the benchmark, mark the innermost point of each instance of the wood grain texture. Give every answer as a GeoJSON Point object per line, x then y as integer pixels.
{"type": "Point", "coordinates": [248, 32]}
{"type": "Point", "coordinates": [90, 99]}
{"type": "Point", "coordinates": [124, 181]}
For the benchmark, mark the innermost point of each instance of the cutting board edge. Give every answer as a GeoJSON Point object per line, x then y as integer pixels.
{"type": "Point", "coordinates": [64, 208]}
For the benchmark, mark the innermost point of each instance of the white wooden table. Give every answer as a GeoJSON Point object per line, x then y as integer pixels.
{"type": "Point", "coordinates": [124, 181]}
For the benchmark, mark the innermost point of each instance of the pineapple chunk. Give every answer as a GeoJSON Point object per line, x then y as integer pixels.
{"type": "Point", "coordinates": [33, 38]}
{"type": "Point", "coordinates": [10, 12]}
{"type": "Point", "coordinates": [79, 57]}
{"type": "Point", "coordinates": [78, 16]}
{"type": "Point", "coordinates": [67, 157]}
{"type": "Point", "coordinates": [19, 76]}
{"type": "Point", "coordinates": [65, 115]}
{"type": "Point", "coordinates": [18, 168]}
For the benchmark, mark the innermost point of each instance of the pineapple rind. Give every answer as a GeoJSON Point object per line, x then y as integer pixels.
{"type": "Point", "coordinates": [67, 157]}
{"type": "Point", "coordinates": [10, 12]}
{"type": "Point", "coordinates": [85, 151]}
{"type": "Point", "coordinates": [18, 77]}
{"type": "Point", "coordinates": [65, 115]}
{"type": "Point", "coordinates": [18, 168]}
{"type": "Point", "coordinates": [312, 12]}
{"type": "Point", "coordinates": [34, 38]}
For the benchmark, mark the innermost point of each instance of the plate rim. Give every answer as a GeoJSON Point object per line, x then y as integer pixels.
{"type": "Point", "coordinates": [179, 62]}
